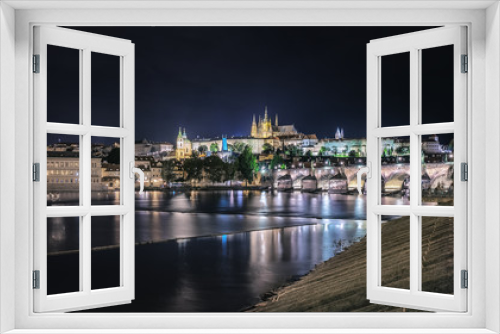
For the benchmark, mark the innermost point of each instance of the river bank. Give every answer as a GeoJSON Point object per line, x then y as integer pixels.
{"type": "Point", "coordinates": [338, 284]}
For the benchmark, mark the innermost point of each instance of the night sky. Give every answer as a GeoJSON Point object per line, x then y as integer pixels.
{"type": "Point", "coordinates": [211, 80]}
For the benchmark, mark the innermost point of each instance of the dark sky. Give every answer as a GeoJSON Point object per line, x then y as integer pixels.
{"type": "Point", "coordinates": [211, 80]}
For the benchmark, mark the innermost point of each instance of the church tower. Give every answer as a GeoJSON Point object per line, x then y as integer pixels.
{"type": "Point", "coordinates": [179, 151]}
{"type": "Point", "coordinates": [267, 129]}
{"type": "Point", "coordinates": [253, 132]}
{"type": "Point", "coordinates": [184, 145]}
{"type": "Point", "coordinates": [337, 133]}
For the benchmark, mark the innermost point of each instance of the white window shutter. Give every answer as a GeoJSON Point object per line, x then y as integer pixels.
{"type": "Point", "coordinates": [86, 43]}
{"type": "Point", "coordinates": [415, 297]}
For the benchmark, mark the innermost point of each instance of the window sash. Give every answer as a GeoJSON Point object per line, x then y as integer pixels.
{"type": "Point", "coordinates": [86, 297]}
{"type": "Point", "coordinates": [413, 43]}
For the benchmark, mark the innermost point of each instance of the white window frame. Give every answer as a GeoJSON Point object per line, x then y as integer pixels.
{"type": "Point", "coordinates": [85, 43]}
{"type": "Point", "coordinates": [483, 21]}
{"type": "Point", "coordinates": [414, 44]}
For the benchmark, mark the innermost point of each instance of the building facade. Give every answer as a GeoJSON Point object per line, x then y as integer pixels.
{"type": "Point", "coordinates": [145, 148]}
{"type": "Point", "coordinates": [265, 129]}
{"type": "Point", "coordinates": [63, 171]}
{"type": "Point", "coordinates": [184, 148]}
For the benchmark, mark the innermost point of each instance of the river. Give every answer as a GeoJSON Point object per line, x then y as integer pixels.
{"type": "Point", "coordinates": [213, 251]}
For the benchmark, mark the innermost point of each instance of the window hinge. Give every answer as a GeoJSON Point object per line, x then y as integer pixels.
{"type": "Point", "coordinates": [465, 64]}
{"type": "Point", "coordinates": [36, 63]}
{"type": "Point", "coordinates": [36, 279]}
{"type": "Point", "coordinates": [464, 171]}
{"type": "Point", "coordinates": [36, 172]}
{"type": "Point", "coordinates": [465, 279]}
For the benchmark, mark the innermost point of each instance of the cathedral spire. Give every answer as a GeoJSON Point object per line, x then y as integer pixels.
{"type": "Point", "coordinates": [337, 133]}
{"type": "Point", "coordinates": [180, 133]}
{"type": "Point", "coordinates": [253, 131]}
{"type": "Point", "coordinates": [265, 114]}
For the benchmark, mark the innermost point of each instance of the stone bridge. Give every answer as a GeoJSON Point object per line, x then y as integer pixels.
{"type": "Point", "coordinates": [395, 177]}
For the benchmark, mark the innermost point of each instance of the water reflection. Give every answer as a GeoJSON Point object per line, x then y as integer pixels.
{"type": "Point", "coordinates": [202, 213]}
{"type": "Point", "coordinates": [229, 272]}
{"type": "Point", "coordinates": [218, 251]}
{"type": "Point", "coordinates": [257, 202]}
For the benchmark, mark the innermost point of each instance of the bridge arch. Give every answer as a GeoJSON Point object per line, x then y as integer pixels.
{"type": "Point", "coordinates": [396, 182]}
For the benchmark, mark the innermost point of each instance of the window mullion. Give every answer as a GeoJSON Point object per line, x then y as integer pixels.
{"type": "Point", "coordinates": [85, 265]}
{"type": "Point", "coordinates": [86, 167]}
{"type": "Point", "coordinates": [414, 169]}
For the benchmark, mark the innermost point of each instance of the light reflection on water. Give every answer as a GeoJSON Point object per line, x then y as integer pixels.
{"type": "Point", "coordinates": [227, 248]}
{"type": "Point", "coordinates": [298, 204]}
{"type": "Point", "coordinates": [164, 216]}
{"type": "Point", "coordinates": [229, 272]}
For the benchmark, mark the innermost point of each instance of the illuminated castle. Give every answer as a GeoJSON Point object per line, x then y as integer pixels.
{"type": "Point", "coordinates": [264, 129]}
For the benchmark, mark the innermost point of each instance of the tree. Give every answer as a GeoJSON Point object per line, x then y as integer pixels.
{"type": "Point", "coordinates": [167, 171]}
{"type": "Point", "coordinates": [214, 168]}
{"type": "Point", "coordinates": [293, 151]}
{"type": "Point", "coordinates": [334, 151]}
{"type": "Point", "coordinates": [323, 150]}
{"type": "Point", "coordinates": [114, 156]}
{"type": "Point", "coordinates": [267, 148]}
{"type": "Point", "coordinates": [247, 164]}
{"type": "Point", "coordinates": [230, 170]}
{"type": "Point", "coordinates": [277, 161]}
{"type": "Point", "coordinates": [239, 147]}
{"type": "Point", "coordinates": [202, 149]}
{"type": "Point", "coordinates": [214, 148]}
{"type": "Point", "coordinates": [403, 150]}
{"type": "Point", "coordinates": [194, 169]}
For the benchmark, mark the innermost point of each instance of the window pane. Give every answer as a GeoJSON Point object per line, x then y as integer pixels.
{"type": "Point", "coordinates": [395, 170]}
{"type": "Point", "coordinates": [63, 170]}
{"type": "Point", "coordinates": [437, 84]}
{"type": "Point", "coordinates": [105, 259]}
{"type": "Point", "coordinates": [437, 254]}
{"type": "Point", "coordinates": [437, 170]}
{"type": "Point", "coordinates": [395, 238]}
{"type": "Point", "coordinates": [63, 255]}
{"type": "Point", "coordinates": [105, 90]}
{"type": "Point", "coordinates": [106, 173]}
{"type": "Point", "coordinates": [395, 90]}
{"type": "Point", "coordinates": [63, 85]}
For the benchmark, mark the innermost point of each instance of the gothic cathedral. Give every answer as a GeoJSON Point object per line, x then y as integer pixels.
{"type": "Point", "coordinates": [264, 129]}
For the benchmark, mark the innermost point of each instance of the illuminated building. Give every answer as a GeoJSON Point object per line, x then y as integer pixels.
{"type": "Point", "coordinates": [184, 147]}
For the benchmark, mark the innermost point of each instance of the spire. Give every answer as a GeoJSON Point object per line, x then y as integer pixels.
{"type": "Point", "coordinates": [342, 133]}
{"type": "Point", "coordinates": [276, 120]}
{"type": "Point", "coordinates": [184, 135]}
{"type": "Point", "coordinates": [265, 114]}
{"type": "Point", "coordinates": [253, 131]}
{"type": "Point", "coordinates": [259, 120]}
{"type": "Point", "coordinates": [180, 133]}
{"type": "Point", "coordinates": [337, 133]}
